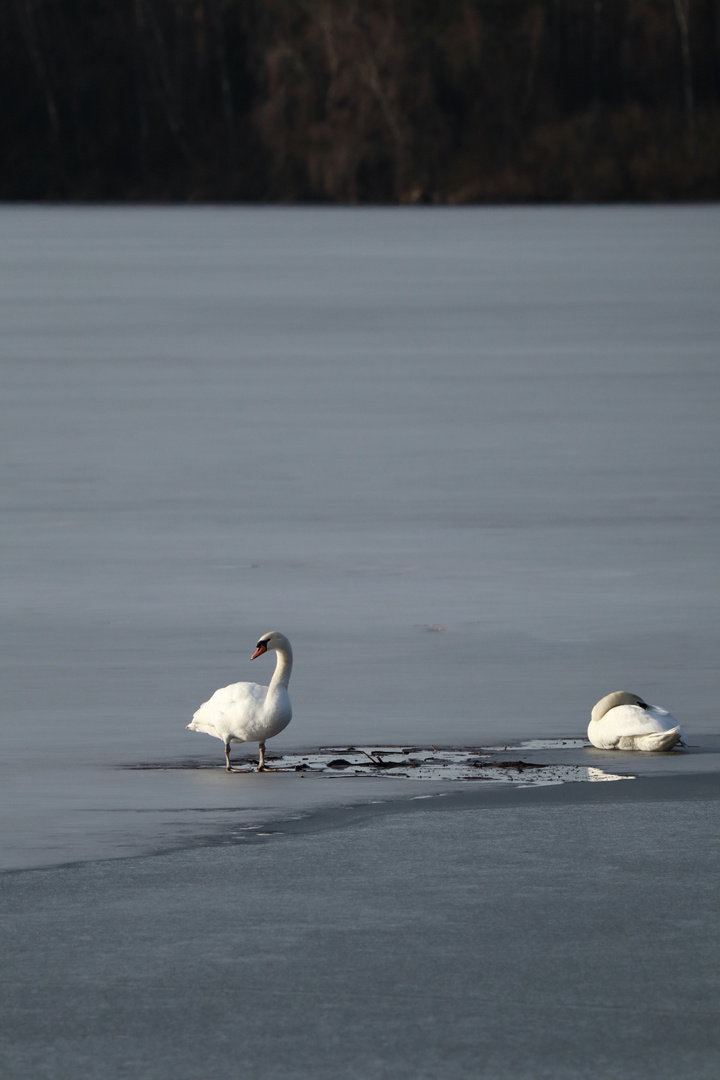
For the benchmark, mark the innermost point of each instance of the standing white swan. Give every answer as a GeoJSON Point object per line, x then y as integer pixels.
{"type": "Point", "coordinates": [622, 721]}
{"type": "Point", "coordinates": [247, 711]}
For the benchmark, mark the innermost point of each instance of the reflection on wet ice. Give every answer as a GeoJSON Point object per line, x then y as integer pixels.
{"type": "Point", "coordinates": [431, 763]}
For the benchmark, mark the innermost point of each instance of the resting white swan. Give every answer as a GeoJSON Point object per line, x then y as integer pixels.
{"type": "Point", "coordinates": [622, 721]}
{"type": "Point", "coordinates": [247, 711]}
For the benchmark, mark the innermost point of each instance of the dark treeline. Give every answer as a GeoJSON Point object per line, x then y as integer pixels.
{"type": "Point", "coordinates": [360, 100]}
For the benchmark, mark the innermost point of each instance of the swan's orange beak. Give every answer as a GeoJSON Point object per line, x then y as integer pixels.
{"type": "Point", "coordinates": [259, 651]}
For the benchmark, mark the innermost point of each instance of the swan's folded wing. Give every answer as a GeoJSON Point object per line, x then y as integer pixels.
{"type": "Point", "coordinates": [218, 715]}
{"type": "Point", "coordinates": [634, 720]}
{"type": "Point", "coordinates": [231, 710]}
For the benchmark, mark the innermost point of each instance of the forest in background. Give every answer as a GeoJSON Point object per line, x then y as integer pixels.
{"type": "Point", "coordinates": [360, 101]}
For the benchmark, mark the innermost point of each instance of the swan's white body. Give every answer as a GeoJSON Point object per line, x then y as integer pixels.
{"type": "Point", "coordinates": [247, 711]}
{"type": "Point", "coordinates": [623, 721]}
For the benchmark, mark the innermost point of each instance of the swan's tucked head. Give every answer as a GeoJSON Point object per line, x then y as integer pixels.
{"type": "Point", "coordinates": [272, 640]}
{"type": "Point", "coordinates": [611, 701]}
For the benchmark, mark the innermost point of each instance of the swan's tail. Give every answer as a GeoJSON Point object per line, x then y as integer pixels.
{"type": "Point", "coordinates": [200, 722]}
{"type": "Point", "coordinates": [653, 740]}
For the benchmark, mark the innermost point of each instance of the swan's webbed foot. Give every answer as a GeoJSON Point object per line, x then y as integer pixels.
{"type": "Point", "coordinates": [261, 766]}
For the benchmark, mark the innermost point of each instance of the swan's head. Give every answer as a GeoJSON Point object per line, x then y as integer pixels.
{"type": "Point", "coordinates": [268, 642]}
{"type": "Point", "coordinates": [611, 701]}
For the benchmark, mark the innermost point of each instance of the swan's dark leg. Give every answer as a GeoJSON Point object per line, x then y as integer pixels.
{"type": "Point", "coordinates": [262, 767]}
{"type": "Point", "coordinates": [227, 758]}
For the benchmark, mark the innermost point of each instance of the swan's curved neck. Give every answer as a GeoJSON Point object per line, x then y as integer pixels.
{"type": "Point", "coordinates": [283, 667]}
{"type": "Point", "coordinates": [611, 701]}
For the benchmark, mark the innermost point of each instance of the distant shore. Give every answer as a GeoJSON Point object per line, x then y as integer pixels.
{"type": "Point", "coordinates": [340, 103]}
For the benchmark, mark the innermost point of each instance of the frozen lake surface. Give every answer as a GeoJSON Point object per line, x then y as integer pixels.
{"type": "Point", "coordinates": [466, 459]}
{"type": "Point", "coordinates": [560, 933]}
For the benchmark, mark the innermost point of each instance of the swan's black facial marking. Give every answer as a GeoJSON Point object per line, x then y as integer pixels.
{"type": "Point", "coordinates": [643, 704]}
{"type": "Point", "coordinates": [260, 648]}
